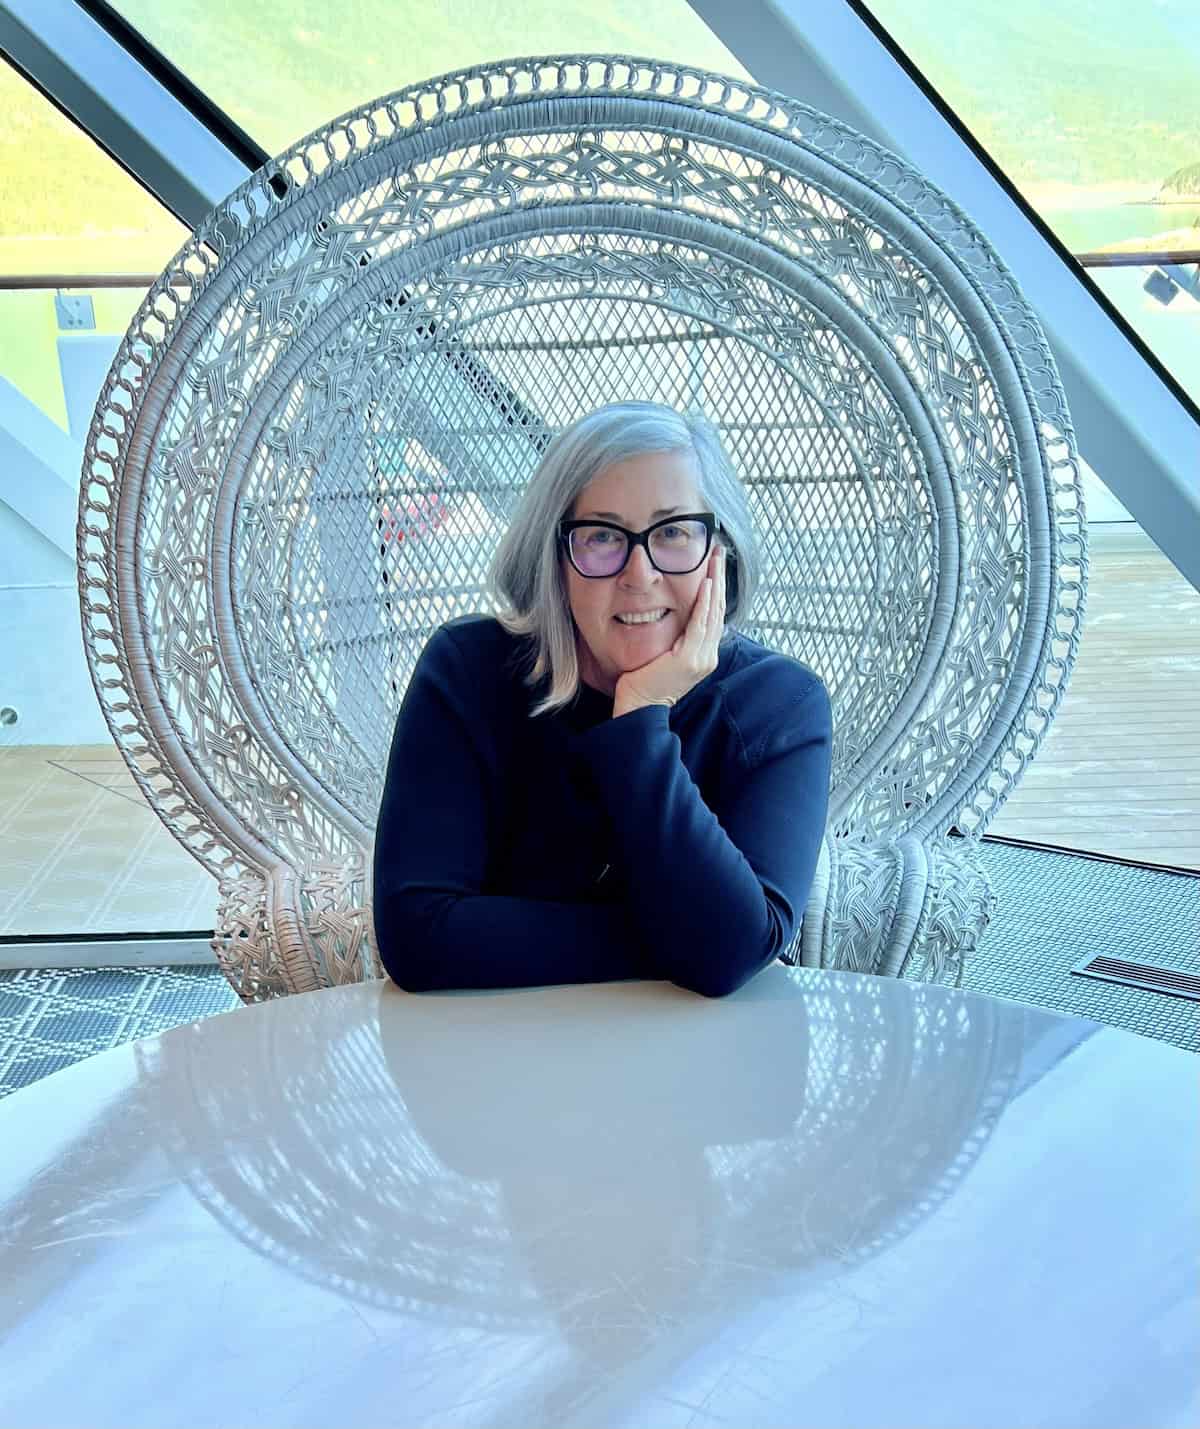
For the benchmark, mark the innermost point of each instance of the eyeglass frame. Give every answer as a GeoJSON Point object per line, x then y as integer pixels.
{"type": "Point", "coordinates": [712, 528]}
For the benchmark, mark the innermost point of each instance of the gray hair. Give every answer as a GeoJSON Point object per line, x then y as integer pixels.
{"type": "Point", "coordinates": [526, 579]}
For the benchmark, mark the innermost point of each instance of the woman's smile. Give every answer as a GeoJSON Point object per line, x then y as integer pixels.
{"type": "Point", "coordinates": [640, 618]}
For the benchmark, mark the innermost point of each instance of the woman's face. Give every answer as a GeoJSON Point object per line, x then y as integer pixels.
{"type": "Point", "coordinates": [635, 493]}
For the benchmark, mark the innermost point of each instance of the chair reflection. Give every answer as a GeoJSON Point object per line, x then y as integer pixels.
{"type": "Point", "coordinates": [473, 1159]}
{"type": "Point", "coordinates": [601, 1185]}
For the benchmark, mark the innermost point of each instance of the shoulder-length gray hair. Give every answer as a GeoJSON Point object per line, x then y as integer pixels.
{"type": "Point", "coordinates": [527, 580]}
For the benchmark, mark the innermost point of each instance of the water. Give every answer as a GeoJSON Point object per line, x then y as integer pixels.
{"type": "Point", "coordinates": [1084, 230]}
{"type": "Point", "coordinates": [1172, 331]}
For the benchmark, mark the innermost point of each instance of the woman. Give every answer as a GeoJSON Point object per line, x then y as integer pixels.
{"type": "Point", "coordinates": [605, 782]}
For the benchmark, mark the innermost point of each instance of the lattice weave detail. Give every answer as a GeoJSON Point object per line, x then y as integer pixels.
{"type": "Point", "coordinates": [325, 411]}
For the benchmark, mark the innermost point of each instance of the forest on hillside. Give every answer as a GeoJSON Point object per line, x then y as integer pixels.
{"type": "Point", "coordinates": [1073, 96]}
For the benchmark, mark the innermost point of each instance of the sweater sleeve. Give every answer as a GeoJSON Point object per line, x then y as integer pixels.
{"type": "Point", "coordinates": [717, 894]}
{"type": "Point", "coordinates": [434, 928]}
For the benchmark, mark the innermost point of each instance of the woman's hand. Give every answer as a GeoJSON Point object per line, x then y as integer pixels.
{"type": "Point", "coordinates": [693, 656]}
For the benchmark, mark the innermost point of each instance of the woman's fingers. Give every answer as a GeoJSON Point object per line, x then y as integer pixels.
{"type": "Point", "coordinates": [702, 637]}
{"type": "Point", "coordinates": [716, 615]}
{"type": "Point", "coordinates": [697, 625]}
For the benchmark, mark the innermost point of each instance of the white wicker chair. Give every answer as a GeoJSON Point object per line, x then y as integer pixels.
{"type": "Point", "coordinates": [406, 305]}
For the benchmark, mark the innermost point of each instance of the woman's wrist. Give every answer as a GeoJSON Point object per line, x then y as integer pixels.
{"type": "Point", "coordinates": [622, 707]}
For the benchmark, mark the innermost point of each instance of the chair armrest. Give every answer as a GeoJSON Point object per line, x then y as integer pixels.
{"type": "Point", "coordinates": [295, 929]}
{"type": "Point", "coordinates": [909, 907]}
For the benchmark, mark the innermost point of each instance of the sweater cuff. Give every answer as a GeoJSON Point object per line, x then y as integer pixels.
{"type": "Point", "coordinates": [614, 738]}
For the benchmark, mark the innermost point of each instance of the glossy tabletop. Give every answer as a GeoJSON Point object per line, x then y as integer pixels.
{"type": "Point", "coordinates": [826, 1200]}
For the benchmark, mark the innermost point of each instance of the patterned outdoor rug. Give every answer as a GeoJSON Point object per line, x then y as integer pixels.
{"type": "Point", "coordinates": [1054, 910]}
{"type": "Point", "coordinates": [51, 1017]}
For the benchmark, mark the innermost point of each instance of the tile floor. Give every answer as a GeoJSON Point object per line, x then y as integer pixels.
{"type": "Point", "coordinates": [81, 850]}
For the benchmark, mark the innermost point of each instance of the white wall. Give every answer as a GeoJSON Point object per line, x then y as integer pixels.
{"type": "Point", "coordinates": [45, 676]}
{"type": "Point", "coordinates": [43, 670]}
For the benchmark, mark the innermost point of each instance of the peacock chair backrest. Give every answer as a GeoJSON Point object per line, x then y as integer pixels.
{"type": "Point", "coordinates": [325, 411]}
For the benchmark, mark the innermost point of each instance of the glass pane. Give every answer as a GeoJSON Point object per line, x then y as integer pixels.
{"type": "Point", "coordinates": [280, 68]}
{"type": "Point", "coordinates": [68, 208]}
{"type": "Point", "coordinates": [1089, 110]}
{"type": "Point", "coordinates": [1119, 772]}
{"type": "Point", "coordinates": [1162, 305]}
{"type": "Point", "coordinates": [80, 849]}
{"type": "Point", "coordinates": [1091, 113]}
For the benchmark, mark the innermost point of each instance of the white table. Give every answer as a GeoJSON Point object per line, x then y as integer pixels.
{"type": "Point", "coordinates": [827, 1200]}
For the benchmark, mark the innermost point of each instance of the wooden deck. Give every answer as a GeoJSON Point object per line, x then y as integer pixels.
{"type": "Point", "coordinates": [1119, 772]}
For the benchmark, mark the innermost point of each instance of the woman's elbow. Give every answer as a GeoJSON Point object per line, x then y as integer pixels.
{"type": "Point", "coordinates": [718, 974]}
{"type": "Point", "coordinates": [409, 979]}
{"type": "Point", "coordinates": [720, 987]}
{"type": "Point", "coordinates": [718, 980]}
{"type": "Point", "coordinates": [401, 958]}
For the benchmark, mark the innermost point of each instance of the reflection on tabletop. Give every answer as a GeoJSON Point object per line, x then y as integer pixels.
{"type": "Point", "coordinates": [622, 1170]}
{"type": "Point", "coordinates": [614, 1205]}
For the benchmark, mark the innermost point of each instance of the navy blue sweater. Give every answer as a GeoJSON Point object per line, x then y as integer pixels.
{"type": "Point", "coordinates": [674, 844]}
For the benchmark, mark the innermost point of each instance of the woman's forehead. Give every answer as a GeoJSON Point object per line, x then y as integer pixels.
{"type": "Point", "coordinates": [640, 488]}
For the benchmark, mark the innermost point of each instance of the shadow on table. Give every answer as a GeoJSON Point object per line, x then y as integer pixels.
{"type": "Point", "coordinates": [616, 1170]}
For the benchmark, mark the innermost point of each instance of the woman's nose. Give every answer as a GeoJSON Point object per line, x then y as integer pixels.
{"type": "Point", "coordinates": [639, 568]}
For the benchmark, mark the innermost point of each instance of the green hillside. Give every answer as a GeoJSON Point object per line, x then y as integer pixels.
{"type": "Point", "coordinates": [1069, 93]}
{"type": "Point", "coordinates": [66, 206]}
{"type": "Point", "coordinates": [281, 69]}
{"type": "Point", "coordinates": [1066, 96]}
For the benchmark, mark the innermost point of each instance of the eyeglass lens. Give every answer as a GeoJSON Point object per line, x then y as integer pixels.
{"type": "Point", "coordinates": [676, 548]}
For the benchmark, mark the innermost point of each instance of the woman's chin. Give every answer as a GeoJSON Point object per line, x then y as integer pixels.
{"type": "Point", "coordinates": [628, 648]}
{"type": "Point", "coordinates": [633, 654]}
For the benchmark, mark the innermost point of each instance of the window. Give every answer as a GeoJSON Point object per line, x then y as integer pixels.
{"type": "Point", "coordinates": [1091, 113]}
{"type": "Point", "coordinates": [280, 68]}
{"type": "Point", "coordinates": [80, 850]}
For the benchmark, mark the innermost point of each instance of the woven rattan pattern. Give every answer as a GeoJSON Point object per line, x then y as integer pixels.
{"type": "Point", "coordinates": [404, 305]}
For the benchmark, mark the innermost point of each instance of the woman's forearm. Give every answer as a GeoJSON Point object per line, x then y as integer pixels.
{"type": "Point", "coordinates": [715, 899]}
{"type": "Point", "coordinates": [434, 940]}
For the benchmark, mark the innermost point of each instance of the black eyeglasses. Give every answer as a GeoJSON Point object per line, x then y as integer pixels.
{"type": "Point", "coordinates": [675, 546]}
